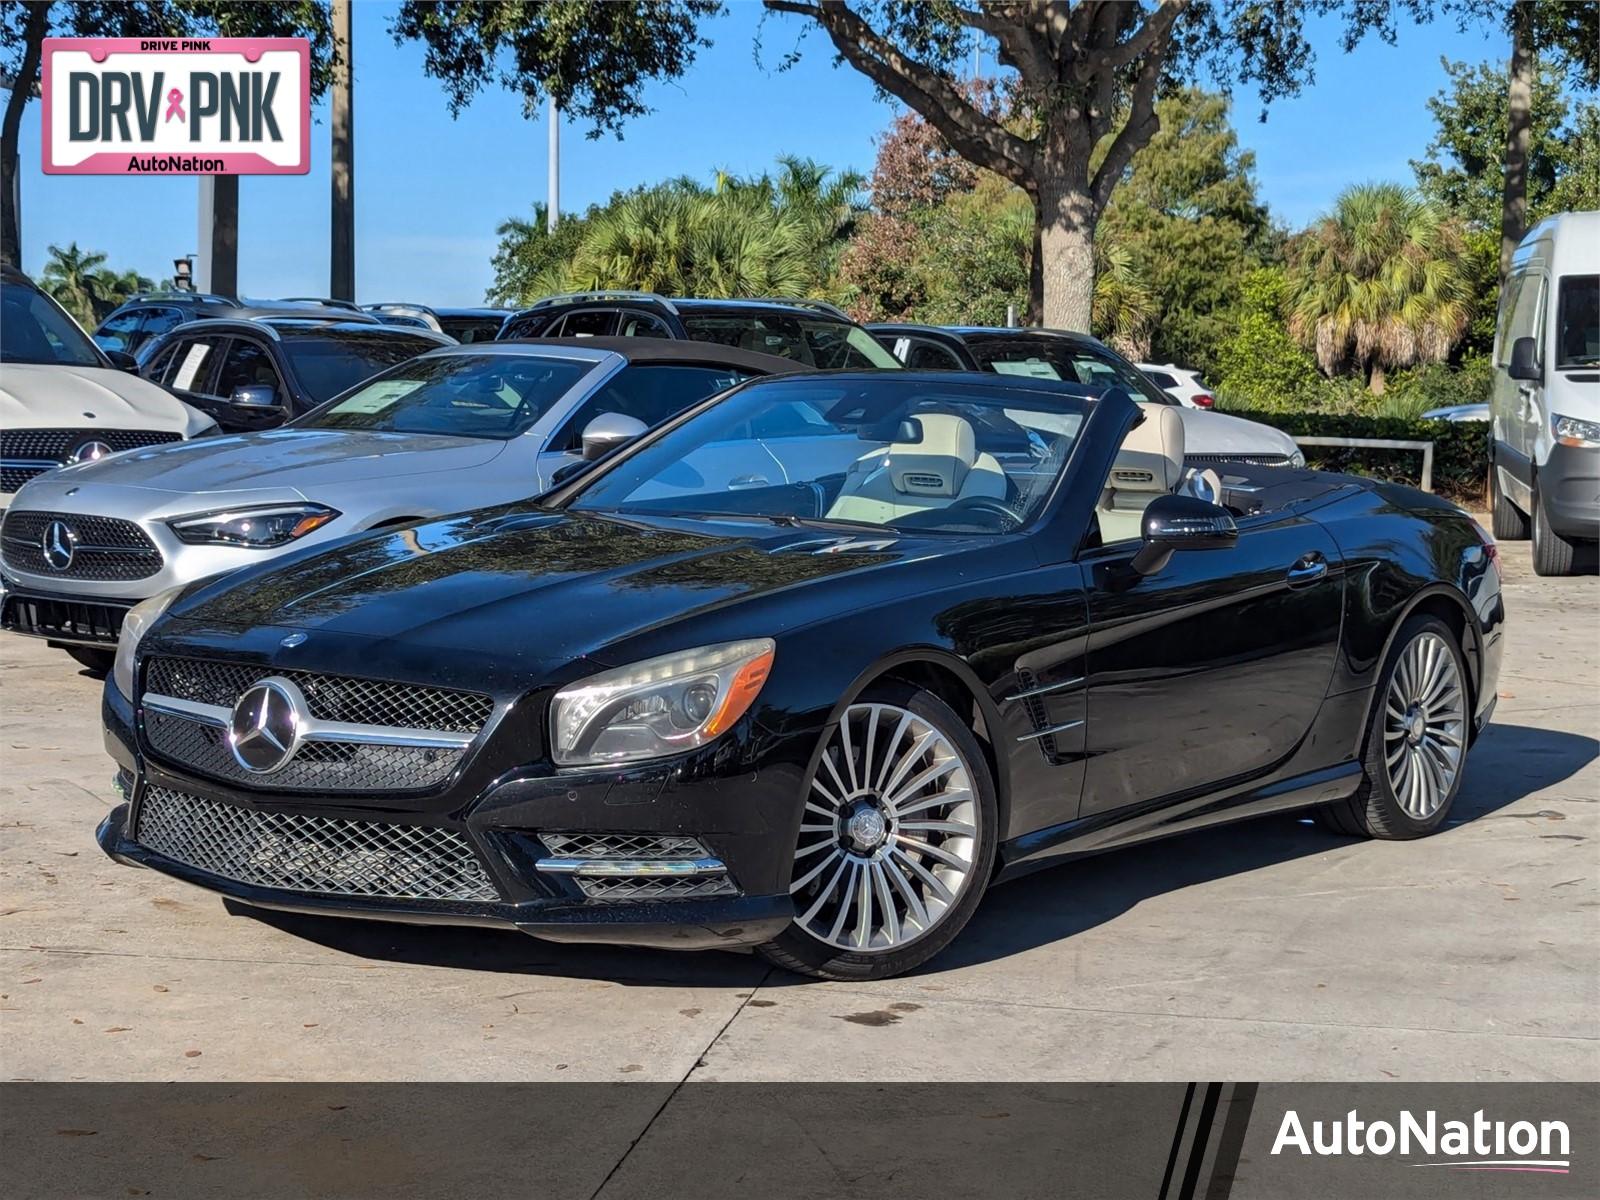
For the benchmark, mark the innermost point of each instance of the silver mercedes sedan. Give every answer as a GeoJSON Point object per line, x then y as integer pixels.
{"type": "Point", "coordinates": [458, 428]}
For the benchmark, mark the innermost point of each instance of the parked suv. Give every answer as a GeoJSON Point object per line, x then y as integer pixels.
{"type": "Point", "coordinates": [465, 325]}
{"type": "Point", "coordinates": [1544, 451]}
{"type": "Point", "coordinates": [141, 319]}
{"type": "Point", "coordinates": [1212, 439]}
{"type": "Point", "coordinates": [808, 331]}
{"type": "Point", "coordinates": [459, 428]}
{"type": "Point", "coordinates": [63, 400]}
{"type": "Point", "coordinates": [257, 374]}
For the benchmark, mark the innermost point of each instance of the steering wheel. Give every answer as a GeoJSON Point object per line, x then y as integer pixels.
{"type": "Point", "coordinates": [972, 504]}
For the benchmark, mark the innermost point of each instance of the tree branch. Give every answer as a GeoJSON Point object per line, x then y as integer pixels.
{"type": "Point", "coordinates": [1022, 41]}
{"type": "Point", "coordinates": [971, 133]}
{"type": "Point", "coordinates": [1157, 27]}
{"type": "Point", "coordinates": [1142, 123]}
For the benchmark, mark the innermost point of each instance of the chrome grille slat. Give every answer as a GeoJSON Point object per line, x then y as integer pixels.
{"type": "Point", "coordinates": [622, 845]}
{"type": "Point", "coordinates": [107, 548]}
{"type": "Point", "coordinates": [626, 889]}
{"type": "Point", "coordinates": [305, 853]}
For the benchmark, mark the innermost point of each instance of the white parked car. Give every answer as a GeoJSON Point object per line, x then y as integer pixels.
{"type": "Point", "coordinates": [1186, 385]}
{"type": "Point", "coordinates": [64, 400]}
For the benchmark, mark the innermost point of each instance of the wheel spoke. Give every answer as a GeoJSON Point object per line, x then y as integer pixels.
{"type": "Point", "coordinates": [934, 883]}
{"type": "Point", "coordinates": [937, 853]}
{"type": "Point", "coordinates": [864, 909]}
{"type": "Point", "coordinates": [908, 760]}
{"type": "Point", "coordinates": [958, 828]}
{"type": "Point", "coordinates": [921, 780]}
{"type": "Point", "coordinates": [819, 810]}
{"type": "Point", "coordinates": [891, 917]}
{"type": "Point", "coordinates": [849, 753]}
{"type": "Point", "coordinates": [872, 737]}
{"type": "Point", "coordinates": [946, 799]}
{"type": "Point", "coordinates": [816, 784]}
{"type": "Point", "coordinates": [827, 757]}
{"type": "Point", "coordinates": [888, 750]}
{"type": "Point", "coordinates": [822, 866]}
{"type": "Point", "coordinates": [915, 912]}
{"type": "Point", "coordinates": [826, 893]}
{"type": "Point", "coordinates": [845, 904]}
{"type": "Point", "coordinates": [802, 851]}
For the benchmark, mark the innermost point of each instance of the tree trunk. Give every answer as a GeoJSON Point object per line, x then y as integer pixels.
{"type": "Point", "coordinates": [1035, 313]}
{"type": "Point", "coordinates": [1519, 102]}
{"type": "Point", "coordinates": [22, 88]}
{"type": "Point", "coordinates": [1066, 254]}
{"type": "Point", "coordinates": [1377, 380]}
{"type": "Point", "coordinates": [342, 243]}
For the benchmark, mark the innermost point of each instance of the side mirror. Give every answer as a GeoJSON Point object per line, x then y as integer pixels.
{"type": "Point", "coordinates": [1174, 522]}
{"type": "Point", "coordinates": [123, 361]}
{"type": "Point", "coordinates": [564, 473]}
{"type": "Point", "coordinates": [255, 395]}
{"type": "Point", "coordinates": [1525, 360]}
{"type": "Point", "coordinates": [608, 431]}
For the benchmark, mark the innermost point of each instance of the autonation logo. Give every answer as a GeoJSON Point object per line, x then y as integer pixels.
{"type": "Point", "coordinates": [1478, 1144]}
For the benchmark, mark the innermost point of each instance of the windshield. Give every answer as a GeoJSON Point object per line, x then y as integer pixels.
{"type": "Point", "coordinates": [815, 341]}
{"type": "Point", "coordinates": [327, 364]}
{"type": "Point", "coordinates": [480, 396]}
{"type": "Point", "coordinates": [35, 329]}
{"type": "Point", "coordinates": [1043, 356]}
{"type": "Point", "coordinates": [1578, 322]}
{"type": "Point", "coordinates": [891, 453]}
{"type": "Point", "coordinates": [471, 329]}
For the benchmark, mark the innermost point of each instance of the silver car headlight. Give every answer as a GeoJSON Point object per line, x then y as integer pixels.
{"type": "Point", "coordinates": [261, 528]}
{"type": "Point", "coordinates": [660, 706]}
{"type": "Point", "coordinates": [134, 626]}
{"type": "Point", "coordinates": [1574, 431]}
{"type": "Point", "coordinates": [1297, 459]}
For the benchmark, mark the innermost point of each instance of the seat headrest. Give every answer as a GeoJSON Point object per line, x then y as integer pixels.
{"type": "Point", "coordinates": [1151, 458]}
{"type": "Point", "coordinates": [938, 464]}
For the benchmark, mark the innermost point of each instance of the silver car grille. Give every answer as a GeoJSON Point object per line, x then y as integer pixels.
{"type": "Point", "coordinates": [620, 889]}
{"type": "Point", "coordinates": [103, 549]}
{"type": "Point", "coordinates": [304, 853]}
{"type": "Point", "coordinates": [1245, 458]}
{"type": "Point", "coordinates": [620, 867]}
{"type": "Point", "coordinates": [364, 735]}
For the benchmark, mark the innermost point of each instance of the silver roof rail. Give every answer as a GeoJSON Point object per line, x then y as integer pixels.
{"type": "Point", "coordinates": [399, 306]}
{"type": "Point", "coordinates": [832, 310]}
{"type": "Point", "coordinates": [608, 294]}
{"type": "Point", "coordinates": [183, 294]}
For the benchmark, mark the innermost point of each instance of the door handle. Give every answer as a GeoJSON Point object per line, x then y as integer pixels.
{"type": "Point", "coordinates": [1310, 568]}
{"type": "Point", "coordinates": [748, 481]}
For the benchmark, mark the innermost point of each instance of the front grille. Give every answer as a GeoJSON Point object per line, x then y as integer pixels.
{"type": "Point", "coordinates": [63, 620]}
{"type": "Point", "coordinates": [623, 845]}
{"type": "Point", "coordinates": [331, 697]}
{"type": "Point", "coordinates": [620, 888]}
{"type": "Point", "coordinates": [13, 476]}
{"type": "Point", "coordinates": [104, 549]}
{"type": "Point", "coordinates": [57, 444]}
{"type": "Point", "coordinates": [318, 766]}
{"type": "Point", "coordinates": [1249, 460]}
{"type": "Point", "coordinates": [304, 853]}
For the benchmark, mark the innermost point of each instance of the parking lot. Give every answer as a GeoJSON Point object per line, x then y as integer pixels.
{"type": "Point", "coordinates": [1270, 950]}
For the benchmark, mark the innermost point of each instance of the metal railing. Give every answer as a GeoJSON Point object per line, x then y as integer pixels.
{"type": "Point", "coordinates": [1426, 448]}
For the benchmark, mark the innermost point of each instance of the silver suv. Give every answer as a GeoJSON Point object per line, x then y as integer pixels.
{"type": "Point", "coordinates": [458, 428]}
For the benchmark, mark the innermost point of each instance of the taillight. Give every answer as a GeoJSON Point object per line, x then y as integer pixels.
{"type": "Point", "coordinates": [1491, 549]}
{"type": "Point", "coordinates": [1203, 399]}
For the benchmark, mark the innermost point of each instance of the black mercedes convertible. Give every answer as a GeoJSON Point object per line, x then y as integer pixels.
{"type": "Point", "coordinates": [938, 631]}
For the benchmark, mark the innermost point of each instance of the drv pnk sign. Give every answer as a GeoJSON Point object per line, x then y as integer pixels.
{"type": "Point", "coordinates": [170, 106]}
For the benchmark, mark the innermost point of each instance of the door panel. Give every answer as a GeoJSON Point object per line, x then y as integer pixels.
{"type": "Point", "coordinates": [1214, 667]}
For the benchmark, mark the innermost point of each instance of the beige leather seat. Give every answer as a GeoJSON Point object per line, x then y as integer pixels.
{"type": "Point", "coordinates": [1149, 464]}
{"type": "Point", "coordinates": [912, 477]}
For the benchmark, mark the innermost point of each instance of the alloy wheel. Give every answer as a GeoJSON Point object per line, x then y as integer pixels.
{"type": "Point", "coordinates": [1424, 725]}
{"type": "Point", "coordinates": [889, 835]}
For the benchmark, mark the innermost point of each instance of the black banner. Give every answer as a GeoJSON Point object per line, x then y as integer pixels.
{"type": "Point", "coordinates": [1147, 1141]}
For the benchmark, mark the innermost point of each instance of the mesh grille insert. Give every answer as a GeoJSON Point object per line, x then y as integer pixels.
{"type": "Point", "coordinates": [623, 845]}
{"type": "Point", "coordinates": [682, 888]}
{"type": "Point", "coordinates": [104, 548]}
{"type": "Point", "coordinates": [303, 853]}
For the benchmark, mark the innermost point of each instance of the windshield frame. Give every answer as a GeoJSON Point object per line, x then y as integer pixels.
{"type": "Point", "coordinates": [562, 496]}
{"type": "Point", "coordinates": [101, 360]}
{"type": "Point", "coordinates": [598, 368]}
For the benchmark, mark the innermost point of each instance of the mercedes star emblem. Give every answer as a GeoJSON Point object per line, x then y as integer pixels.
{"type": "Point", "coordinates": [293, 640]}
{"type": "Point", "coordinates": [58, 545]}
{"type": "Point", "coordinates": [88, 452]}
{"type": "Point", "coordinates": [268, 723]}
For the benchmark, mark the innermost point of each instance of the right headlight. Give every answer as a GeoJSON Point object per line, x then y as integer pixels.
{"type": "Point", "coordinates": [660, 706]}
{"type": "Point", "coordinates": [134, 626]}
{"type": "Point", "coordinates": [1575, 431]}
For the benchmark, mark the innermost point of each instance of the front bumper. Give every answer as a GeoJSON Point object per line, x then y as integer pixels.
{"type": "Point", "coordinates": [62, 619]}
{"type": "Point", "coordinates": [1569, 486]}
{"type": "Point", "coordinates": [746, 819]}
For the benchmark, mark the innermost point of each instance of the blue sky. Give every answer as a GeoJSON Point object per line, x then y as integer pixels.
{"type": "Point", "coordinates": [431, 190]}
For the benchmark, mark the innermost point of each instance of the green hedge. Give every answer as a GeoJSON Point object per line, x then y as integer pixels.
{"type": "Point", "coordinates": [1460, 449]}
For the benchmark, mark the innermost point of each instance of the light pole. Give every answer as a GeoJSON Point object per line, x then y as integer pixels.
{"type": "Point", "coordinates": [552, 208]}
{"type": "Point", "coordinates": [342, 242]}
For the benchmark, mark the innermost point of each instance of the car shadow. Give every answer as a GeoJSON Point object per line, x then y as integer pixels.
{"type": "Point", "coordinates": [1508, 764]}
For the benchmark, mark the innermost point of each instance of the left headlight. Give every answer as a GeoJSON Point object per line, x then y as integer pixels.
{"type": "Point", "coordinates": [1574, 431]}
{"type": "Point", "coordinates": [660, 706]}
{"type": "Point", "coordinates": [1297, 460]}
{"type": "Point", "coordinates": [273, 525]}
{"type": "Point", "coordinates": [134, 626]}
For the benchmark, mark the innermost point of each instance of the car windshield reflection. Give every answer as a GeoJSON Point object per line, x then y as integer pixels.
{"type": "Point", "coordinates": [920, 454]}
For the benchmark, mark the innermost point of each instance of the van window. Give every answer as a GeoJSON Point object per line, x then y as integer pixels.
{"type": "Point", "coordinates": [1521, 317]}
{"type": "Point", "coordinates": [1578, 321]}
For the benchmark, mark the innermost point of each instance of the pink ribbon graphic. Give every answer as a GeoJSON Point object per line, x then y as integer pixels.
{"type": "Point", "coordinates": [175, 106]}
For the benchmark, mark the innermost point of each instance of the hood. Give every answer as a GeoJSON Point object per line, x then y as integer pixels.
{"type": "Point", "coordinates": [1206, 431]}
{"type": "Point", "coordinates": [534, 585]}
{"type": "Point", "coordinates": [34, 396]}
{"type": "Point", "coordinates": [301, 460]}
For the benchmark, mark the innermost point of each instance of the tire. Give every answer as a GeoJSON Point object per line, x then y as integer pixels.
{"type": "Point", "coordinates": [841, 849]}
{"type": "Point", "coordinates": [1509, 523]}
{"type": "Point", "coordinates": [1396, 811]}
{"type": "Point", "coordinates": [97, 662]}
{"type": "Point", "coordinates": [1552, 553]}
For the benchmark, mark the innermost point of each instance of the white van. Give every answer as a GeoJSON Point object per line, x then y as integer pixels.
{"type": "Point", "coordinates": [1544, 451]}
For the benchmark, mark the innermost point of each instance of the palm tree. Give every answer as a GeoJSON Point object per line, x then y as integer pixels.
{"type": "Point", "coordinates": [73, 277]}
{"type": "Point", "coordinates": [1381, 282]}
{"type": "Point", "coordinates": [1125, 309]}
